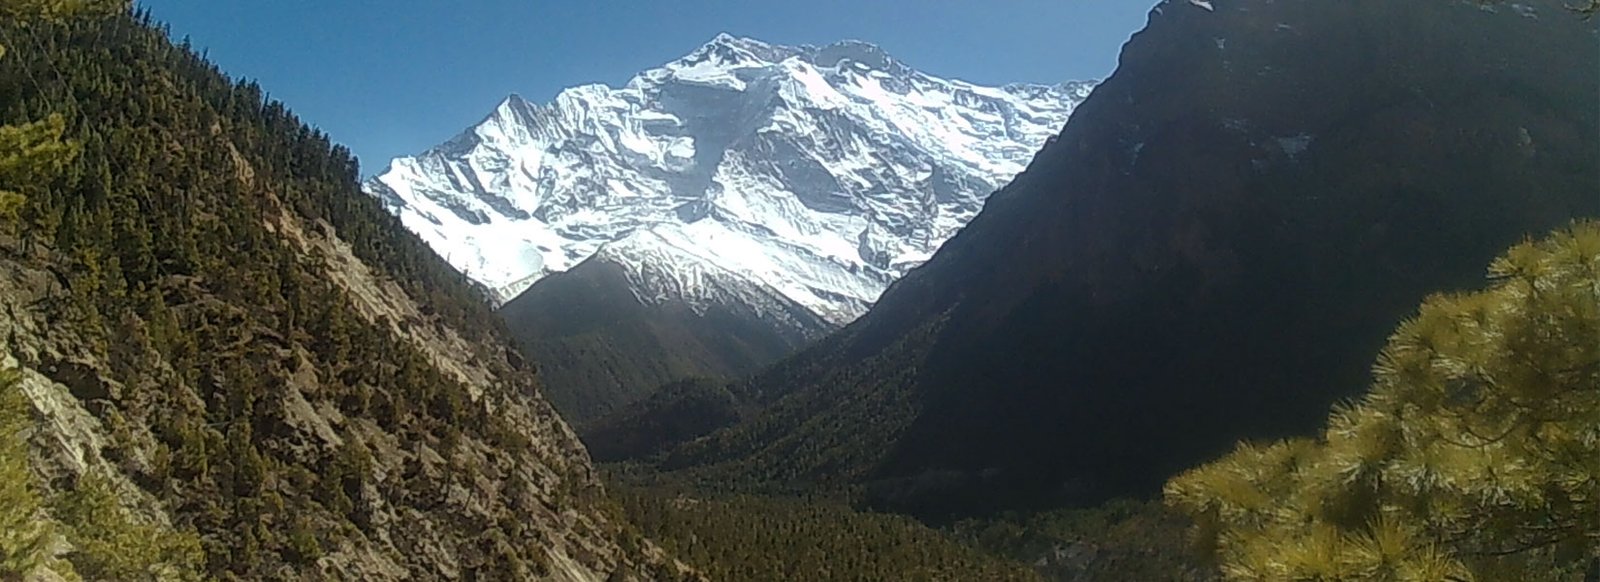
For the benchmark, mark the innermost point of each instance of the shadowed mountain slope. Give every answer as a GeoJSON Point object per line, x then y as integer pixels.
{"type": "Point", "coordinates": [1213, 249]}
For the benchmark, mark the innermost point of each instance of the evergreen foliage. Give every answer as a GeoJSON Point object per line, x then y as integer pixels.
{"type": "Point", "coordinates": [1117, 540]}
{"type": "Point", "coordinates": [167, 199]}
{"type": "Point", "coordinates": [26, 535]}
{"type": "Point", "coordinates": [746, 537]}
{"type": "Point", "coordinates": [55, 11]}
{"type": "Point", "coordinates": [34, 153]}
{"type": "Point", "coordinates": [109, 543]}
{"type": "Point", "coordinates": [600, 350]}
{"type": "Point", "coordinates": [1475, 456]}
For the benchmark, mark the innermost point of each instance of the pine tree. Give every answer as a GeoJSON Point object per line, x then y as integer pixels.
{"type": "Point", "coordinates": [164, 231]}
{"type": "Point", "coordinates": [30, 154]}
{"type": "Point", "coordinates": [109, 543]}
{"type": "Point", "coordinates": [58, 9]}
{"type": "Point", "coordinates": [1475, 456]}
{"type": "Point", "coordinates": [26, 535]}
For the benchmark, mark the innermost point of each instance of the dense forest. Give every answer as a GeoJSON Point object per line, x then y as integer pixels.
{"type": "Point", "coordinates": [1472, 457]}
{"type": "Point", "coordinates": [745, 537]}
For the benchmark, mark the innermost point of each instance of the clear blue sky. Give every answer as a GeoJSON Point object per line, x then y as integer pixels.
{"type": "Point", "coordinates": [394, 77]}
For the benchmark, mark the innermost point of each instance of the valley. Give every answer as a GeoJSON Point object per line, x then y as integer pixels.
{"type": "Point", "coordinates": [1301, 290]}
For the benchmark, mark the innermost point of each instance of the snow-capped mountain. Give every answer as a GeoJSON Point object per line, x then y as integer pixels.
{"type": "Point", "coordinates": [817, 175]}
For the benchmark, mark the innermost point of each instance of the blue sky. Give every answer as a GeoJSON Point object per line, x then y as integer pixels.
{"type": "Point", "coordinates": [394, 77]}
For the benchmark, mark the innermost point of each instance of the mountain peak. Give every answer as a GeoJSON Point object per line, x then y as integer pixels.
{"type": "Point", "coordinates": [728, 49]}
{"type": "Point", "coordinates": [512, 110]}
{"type": "Point", "coordinates": [726, 39]}
{"type": "Point", "coordinates": [734, 152]}
{"type": "Point", "coordinates": [511, 103]}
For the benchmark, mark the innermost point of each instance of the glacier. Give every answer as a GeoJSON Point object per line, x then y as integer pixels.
{"type": "Point", "coordinates": [814, 175]}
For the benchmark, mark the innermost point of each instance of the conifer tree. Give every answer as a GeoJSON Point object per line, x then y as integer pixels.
{"type": "Point", "coordinates": [26, 536]}
{"type": "Point", "coordinates": [1475, 456]}
{"type": "Point", "coordinates": [30, 154]}
{"type": "Point", "coordinates": [111, 544]}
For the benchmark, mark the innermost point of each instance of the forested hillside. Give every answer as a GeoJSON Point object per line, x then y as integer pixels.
{"type": "Point", "coordinates": [219, 333]}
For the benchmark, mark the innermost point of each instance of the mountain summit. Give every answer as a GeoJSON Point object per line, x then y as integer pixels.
{"type": "Point", "coordinates": [810, 176]}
